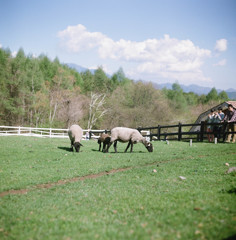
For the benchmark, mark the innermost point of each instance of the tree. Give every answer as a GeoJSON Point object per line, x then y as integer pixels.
{"type": "Point", "coordinates": [178, 97]}
{"type": "Point", "coordinates": [212, 95]}
{"type": "Point", "coordinates": [96, 108]}
{"type": "Point", "coordinates": [5, 102]}
{"type": "Point", "coordinates": [223, 96]}
{"type": "Point", "coordinates": [191, 98]}
{"type": "Point", "coordinates": [100, 80]}
{"type": "Point", "coordinates": [88, 81]}
{"type": "Point", "coordinates": [48, 68]}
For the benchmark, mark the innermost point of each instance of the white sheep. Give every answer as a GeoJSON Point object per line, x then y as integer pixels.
{"type": "Point", "coordinates": [105, 139]}
{"type": "Point", "coordinates": [75, 133]}
{"type": "Point", "coordinates": [130, 135]}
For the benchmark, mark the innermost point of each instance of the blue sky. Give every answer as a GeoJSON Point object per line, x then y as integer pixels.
{"type": "Point", "coordinates": [189, 41]}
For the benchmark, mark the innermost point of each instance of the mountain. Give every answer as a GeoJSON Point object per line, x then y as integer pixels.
{"type": "Point", "coordinates": [197, 89]}
{"type": "Point", "coordinates": [190, 88]}
{"type": "Point", "coordinates": [231, 95]}
{"type": "Point", "coordinates": [231, 90]}
{"type": "Point", "coordinates": [79, 68]}
{"type": "Point", "coordinates": [186, 88]}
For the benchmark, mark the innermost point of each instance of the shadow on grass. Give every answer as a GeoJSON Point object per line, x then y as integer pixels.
{"type": "Point", "coordinates": [96, 150]}
{"type": "Point", "coordinates": [233, 237]}
{"type": "Point", "coordinates": [112, 152]}
{"type": "Point", "coordinates": [232, 191]}
{"type": "Point", "coordinates": [68, 149]}
{"type": "Point", "coordinates": [127, 152]}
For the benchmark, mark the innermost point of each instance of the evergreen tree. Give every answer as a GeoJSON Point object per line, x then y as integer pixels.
{"type": "Point", "coordinates": [100, 80]}
{"type": "Point", "coordinates": [223, 96]}
{"type": "Point", "coordinates": [5, 103]}
{"type": "Point", "coordinates": [178, 97]}
{"type": "Point", "coordinates": [88, 81]}
{"type": "Point", "coordinates": [212, 95]}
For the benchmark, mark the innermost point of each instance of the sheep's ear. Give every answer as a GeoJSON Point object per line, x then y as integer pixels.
{"type": "Point", "coordinates": [81, 144]}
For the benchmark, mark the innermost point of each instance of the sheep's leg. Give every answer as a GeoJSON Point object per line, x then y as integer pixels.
{"type": "Point", "coordinates": [72, 149]}
{"type": "Point", "coordinates": [108, 146]}
{"type": "Point", "coordinates": [131, 149]}
{"type": "Point", "coordinates": [115, 146]}
{"type": "Point", "coordinates": [128, 146]}
{"type": "Point", "coordinates": [99, 147]}
{"type": "Point", "coordinates": [104, 147]}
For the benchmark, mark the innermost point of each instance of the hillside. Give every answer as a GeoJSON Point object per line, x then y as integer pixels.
{"type": "Point", "coordinates": [44, 93]}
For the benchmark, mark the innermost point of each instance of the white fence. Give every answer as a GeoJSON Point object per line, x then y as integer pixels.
{"type": "Point", "coordinates": [40, 132]}
{"type": "Point", "coordinates": [48, 132]}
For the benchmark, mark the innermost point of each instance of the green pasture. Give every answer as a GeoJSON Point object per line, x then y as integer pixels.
{"type": "Point", "coordinates": [145, 198]}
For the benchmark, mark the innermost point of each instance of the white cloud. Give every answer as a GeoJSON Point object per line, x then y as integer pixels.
{"type": "Point", "coordinates": [221, 63]}
{"type": "Point", "coordinates": [104, 67]}
{"type": "Point", "coordinates": [221, 45]}
{"type": "Point", "coordinates": [0, 45]}
{"type": "Point", "coordinates": [13, 54]}
{"type": "Point", "coordinates": [167, 57]}
{"type": "Point", "coordinates": [77, 38]}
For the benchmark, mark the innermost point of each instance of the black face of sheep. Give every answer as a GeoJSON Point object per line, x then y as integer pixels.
{"type": "Point", "coordinates": [149, 147]}
{"type": "Point", "coordinates": [77, 146]}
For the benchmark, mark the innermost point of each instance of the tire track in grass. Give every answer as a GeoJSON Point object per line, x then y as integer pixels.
{"type": "Point", "coordinates": [62, 182]}
{"type": "Point", "coordinates": [90, 176]}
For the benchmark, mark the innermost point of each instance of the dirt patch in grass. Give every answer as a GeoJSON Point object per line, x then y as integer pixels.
{"type": "Point", "coordinates": [76, 179]}
{"type": "Point", "coordinates": [90, 176]}
{"type": "Point", "coordinates": [62, 182]}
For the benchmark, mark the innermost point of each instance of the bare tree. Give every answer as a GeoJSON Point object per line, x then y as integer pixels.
{"type": "Point", "coordinates": [96, 108]}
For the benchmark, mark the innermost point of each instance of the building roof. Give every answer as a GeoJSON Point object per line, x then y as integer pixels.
{"type": "Point", "coordinates": [203, 116]}
{"type": "Point", "coordinates": [232, 103]}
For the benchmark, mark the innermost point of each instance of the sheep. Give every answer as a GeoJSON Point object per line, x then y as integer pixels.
{"type": "Point", "coordinates": [105, 139]}
{"type": "Point", "coordinates": [130, 135]}
{"type": "Point", "coordinates": [75, 133]}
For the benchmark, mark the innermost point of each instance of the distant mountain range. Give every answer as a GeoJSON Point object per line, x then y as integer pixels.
{"type": "Point", "coordinates": [197, 89]}
{"type": "Point", "coordinates": [190, 88]}
{"type": "Point", "coordinates": [79, 68]}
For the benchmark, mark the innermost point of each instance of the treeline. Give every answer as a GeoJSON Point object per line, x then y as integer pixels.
{"type": "Point", "coordinates": [44, 93]}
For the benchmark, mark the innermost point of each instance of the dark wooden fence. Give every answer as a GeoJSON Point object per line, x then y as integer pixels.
{"type": "Point", "coordinates": [182, 131]}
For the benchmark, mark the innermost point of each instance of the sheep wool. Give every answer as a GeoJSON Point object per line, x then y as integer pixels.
{"type": "Point", "coordinates": [133, 136]}
{"type": "Point", "coordinates": [75, 133]}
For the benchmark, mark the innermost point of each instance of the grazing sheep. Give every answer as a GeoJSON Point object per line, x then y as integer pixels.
{"type": "Point", "coordinates": [105, 139]}
{"type": "Point", "coordinates": [130, 135]}
{"type": "Point", "coordinates": [75, 133]}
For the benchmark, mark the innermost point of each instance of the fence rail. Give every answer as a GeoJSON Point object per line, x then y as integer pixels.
{"type": "Point", "coordinates": [171, 132]}
{"type": "Point", "coordinates": [178, 132]}
{"type": "Point", "coordinates": [42, 132]}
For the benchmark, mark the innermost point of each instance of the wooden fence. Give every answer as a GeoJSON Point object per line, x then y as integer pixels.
{"type": "Point", "coordinates": [178, 132]}
{"type": "Point", "coordinates": [182, 132]}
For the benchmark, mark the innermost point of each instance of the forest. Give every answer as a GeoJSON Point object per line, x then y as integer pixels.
{"type": "Point", "coordinates": [39, 92]}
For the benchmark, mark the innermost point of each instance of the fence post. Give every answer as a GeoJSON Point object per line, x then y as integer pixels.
{"type": "Point", "coordinates": [50, 132]}
{"type": "Point", "coordinates": [179, 132]}
{"type": "Point", "coordinates": [159, 132]}
{"type": "Point", "coordinates": [224, 130]}
{"type": "Point", "coordinates": [19, 130]}
{"type": "Point", "coordinates": [150, 135]}
{"type": "Point", "coordinates": [202, 130]}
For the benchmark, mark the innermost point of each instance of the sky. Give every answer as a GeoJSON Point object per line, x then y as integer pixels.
{"type": "Point", "coordinates": [184, 41]}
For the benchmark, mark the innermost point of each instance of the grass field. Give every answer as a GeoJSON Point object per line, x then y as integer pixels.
{"type": "Point", "coordinates": [122, 196]}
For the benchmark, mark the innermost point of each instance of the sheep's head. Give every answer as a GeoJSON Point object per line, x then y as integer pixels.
{"type": "Point", "coordinates": [77, 146]}
{"type": "Point", "coordinates": [149, 147]}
